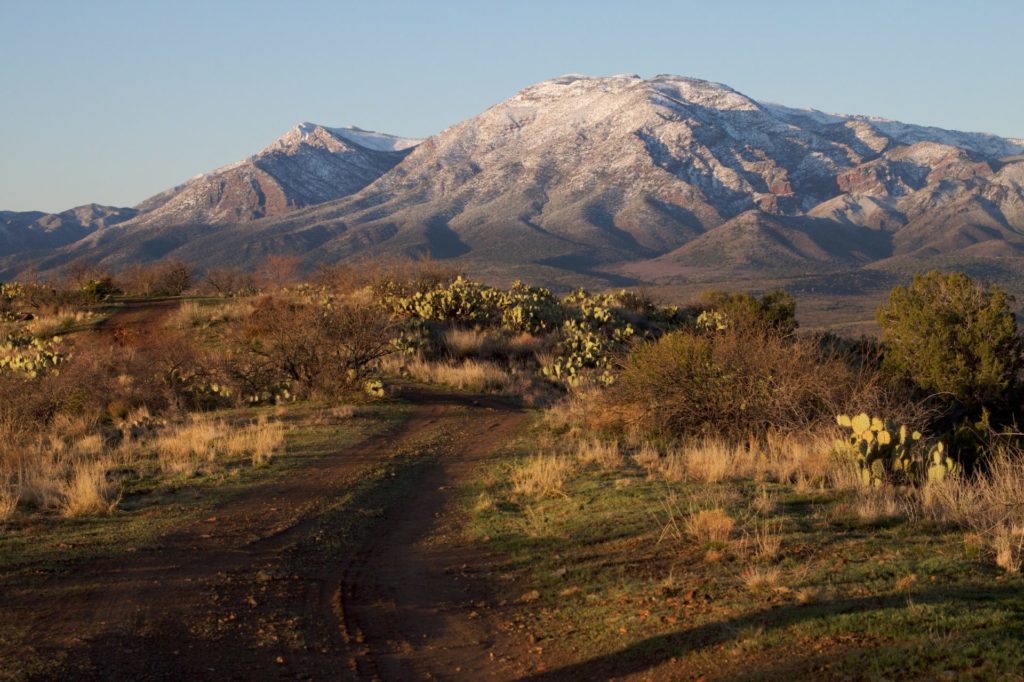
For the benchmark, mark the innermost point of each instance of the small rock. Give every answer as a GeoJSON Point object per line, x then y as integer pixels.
{"type": "Point", "coordinates": [532, 595]}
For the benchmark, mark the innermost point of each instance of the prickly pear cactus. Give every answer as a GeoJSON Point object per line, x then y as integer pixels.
{"type": "Point", "coordinates": [374, 388]}
{"type": "Point", "coordinates": [940, 464]}
{"type": "Point", "coordinates": [31, 357]}
{"type": "Point", "coordinates": [883, 451]}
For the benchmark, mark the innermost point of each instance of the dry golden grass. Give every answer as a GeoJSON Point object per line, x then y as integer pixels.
{"type": "Point", "coordinates": [809, 595]}
{"type": "Point", "coordinates": [1008, 544]}
{"type": "Point", "coordinates": [469, 375]}
{"type": "Point", "coordinates": [58, 323]}
{"type": "Point", "coordinates": [765, 502]}
{"type": "Point", "coordinates": [185, 448]}
{"type": "Point", "coordinates": [990, 504]}
{"type": "Point", "coordinates": [647, 457]}
{"type": "Point", "coordinates": [88, 492]}
{"type": "Point", "coordinates": [766, 539]}
{"type": "Point", "coordinates": [527, 345]}
{"type": "Point", "coordinates": [606, 454]}
{"type": "Point", "coordinates": [343, 411]}
{"type": "Point", "coordinates": [197, 444]}
{"type": "Point", "coordinates": [192, 314]}
{"type": "Point", "coordinates": [9, 495]}
{"type": "Point", "coordinates": [710, 526]}
{"type": "Point", "coordinates": [876, 505]}
{"type": "Point", "coordinates": [541, 475]}
{"type": "Point", "coordinates": [466, 343]}
{"type": "Point", "coordinates": [761, 578]}
{"type": "Point", "coordinates": [258, 441]}
{"type": "Point", "coordinates": [804, 460]}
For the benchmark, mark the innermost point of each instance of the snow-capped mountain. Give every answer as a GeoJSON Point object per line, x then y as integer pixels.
{"type": "Point", "coordinates": [578, 171]}
{"type": "Point", "coordinates": [310, 164]}
{"type": "Point", "coordinates": [644, 176]}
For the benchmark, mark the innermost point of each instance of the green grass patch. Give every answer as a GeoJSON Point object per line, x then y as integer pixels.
{"type": "Point", "coordinates": [609, 575]}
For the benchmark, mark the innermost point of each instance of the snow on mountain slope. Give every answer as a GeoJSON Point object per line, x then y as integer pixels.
{"type": "Point", "coordinates": [578, 173]}
{"type": "Point", "coordinates": [309, 164]}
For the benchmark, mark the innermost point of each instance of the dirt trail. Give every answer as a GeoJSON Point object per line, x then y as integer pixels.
{"type": "Point", "coordinates": [248, 593]}
{"type": "Point", "coordinates": [406, 598]}
{"type": "Point", "coordinates": [141, 313]}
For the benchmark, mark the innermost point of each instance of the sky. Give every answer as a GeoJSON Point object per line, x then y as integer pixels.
{"type": "Point", "coordinates": [111, 102]}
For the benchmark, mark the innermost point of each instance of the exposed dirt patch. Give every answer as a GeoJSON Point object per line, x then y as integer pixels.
{"type": "Point", "coordinates": [346, 568]}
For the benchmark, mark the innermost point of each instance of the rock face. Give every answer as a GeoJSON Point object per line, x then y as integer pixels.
{"type": "Point", "coordinates": [650, 176]}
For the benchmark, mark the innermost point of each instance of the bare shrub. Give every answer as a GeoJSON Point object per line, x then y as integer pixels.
{"type": "Point", "coordinates": [317, 348]}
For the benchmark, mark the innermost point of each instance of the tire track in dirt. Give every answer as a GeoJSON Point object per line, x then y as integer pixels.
{"type": "Point", "coordinates": [407, 601]}
{"type": "Point", "coordinates": [223, 598]}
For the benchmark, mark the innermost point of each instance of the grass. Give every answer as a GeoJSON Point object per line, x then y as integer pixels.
{"type": "Point", "coordinates": [802, 580]}
{"type": "Point", "coordinates": [474, 376]}
{"type": "Point", "coordinates": [151, 504]}
{"type": "Point", "coordinates": [61, 322]}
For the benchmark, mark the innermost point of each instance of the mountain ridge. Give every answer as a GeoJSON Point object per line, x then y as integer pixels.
{"type": "Point", "coordinates": [583, 174]}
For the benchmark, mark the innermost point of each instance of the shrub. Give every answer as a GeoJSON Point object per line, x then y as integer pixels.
{"type": "Point", "coordinates": [730, 384]}
{"type": "Point", "coordinates": [775, 311]}
{"type": "Point", "coordinates": [166, 278]}
{"type": "Point", "coordinates": [950, 334]}
{"type": "Point", "coordinates": [316, 345]}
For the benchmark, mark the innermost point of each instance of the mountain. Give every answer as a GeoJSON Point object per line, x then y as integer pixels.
{"type": "Point", "coordinates": [605, 177]}
{"type": "Point", "coordinates": [310, 164]}
{"type": "Point", "coordinates": [34, 230]}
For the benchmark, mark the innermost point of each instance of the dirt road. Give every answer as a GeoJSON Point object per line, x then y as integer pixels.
{"type": "Point", "coordinates": [280, 584]}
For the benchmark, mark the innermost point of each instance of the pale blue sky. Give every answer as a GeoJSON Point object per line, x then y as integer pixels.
{"type": "Point", "coordinates": [114, 101]}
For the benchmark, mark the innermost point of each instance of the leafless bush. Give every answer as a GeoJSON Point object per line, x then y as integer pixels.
{"type": "Point", "coordinates": [317, 348]}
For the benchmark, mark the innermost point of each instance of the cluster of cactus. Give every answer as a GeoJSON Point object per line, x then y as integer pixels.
{"type": "Point", "coordinates": [31, 357]}
{"type": "Point", "coordinates": [274, 395]}
{"type": "Point", "coordinates": [712, 321]}
{"type": "Point", "coordinates": [884, 452]}
{"type": "Point", "coordinates": [11, 291]}
{"type": "Point", "coordinates": [589, 341]}
{"type": "Point", "coordinates": [461, 301]}
{"type": "Point", "coordinates": [414, 337]}
{"type": "Point", "coordinates": [529, 309]}
{"type": "Point", "coordinates": [521, 308]}
{"type": "Point", "coordinates": [374, 388]}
